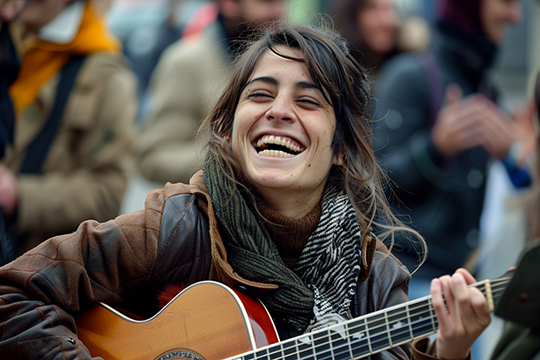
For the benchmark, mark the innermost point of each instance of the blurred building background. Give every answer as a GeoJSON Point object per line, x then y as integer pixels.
{"type": "Point", "coordinates": [139, 25]}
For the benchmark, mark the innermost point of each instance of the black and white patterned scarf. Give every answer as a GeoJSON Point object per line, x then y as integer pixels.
{"type": "Point", "coordinates": [322, 284]}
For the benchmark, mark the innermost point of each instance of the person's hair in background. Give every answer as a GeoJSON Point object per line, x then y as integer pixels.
{"type": "Point", "coordinates": [489, 18]}
{"type": "Point", "coordinates": [376, 31]}
{"type": "Point", "coordinates": [346, 87]}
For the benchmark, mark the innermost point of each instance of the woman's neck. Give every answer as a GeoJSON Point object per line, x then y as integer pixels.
{"type": "Point", "coordinates": [290, 235]}
{"type": "Point", "coordinates": [290, 204]}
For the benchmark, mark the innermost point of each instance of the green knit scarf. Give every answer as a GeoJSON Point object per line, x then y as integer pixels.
{"type": "Point", "coordinates": [254, 256]}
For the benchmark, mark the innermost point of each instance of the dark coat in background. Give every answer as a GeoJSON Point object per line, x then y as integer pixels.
{"type": "Point", "coordinates": [441, 197]}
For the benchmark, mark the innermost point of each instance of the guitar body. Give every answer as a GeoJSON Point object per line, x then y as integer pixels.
{"type": "Point", "coordinates": [208, 321]}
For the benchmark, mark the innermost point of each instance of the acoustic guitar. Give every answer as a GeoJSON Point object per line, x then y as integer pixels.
{"type": "Point", "coordinates": [210, 321]}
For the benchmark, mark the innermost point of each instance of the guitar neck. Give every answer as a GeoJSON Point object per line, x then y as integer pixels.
{"type": "Point", "coordinates": [368, 334]}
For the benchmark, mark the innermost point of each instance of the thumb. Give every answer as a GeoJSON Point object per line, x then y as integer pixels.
{"type": "Point", "coordinates": [453, 94]}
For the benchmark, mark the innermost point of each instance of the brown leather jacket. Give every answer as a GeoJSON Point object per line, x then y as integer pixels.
{"type": "Point", "coordinates": [127, 261]}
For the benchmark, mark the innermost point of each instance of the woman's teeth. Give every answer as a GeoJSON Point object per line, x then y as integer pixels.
{"type": "Point", "coordinates": [277, 146]}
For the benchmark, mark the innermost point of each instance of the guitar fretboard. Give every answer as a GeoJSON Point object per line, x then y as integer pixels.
{"type": "Point", "coordinates": [368, 334]}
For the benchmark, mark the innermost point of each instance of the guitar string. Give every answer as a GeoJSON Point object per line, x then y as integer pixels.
{"type": "Point", "coordinates": [347, 346]}
{"type": "Point", "coordinates": [428, 319]}
{"type": "Point", "coordinates": [496, 286]}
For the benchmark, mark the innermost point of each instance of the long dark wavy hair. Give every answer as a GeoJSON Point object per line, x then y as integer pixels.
{"type": "Point", "coordinates": [331, 67]}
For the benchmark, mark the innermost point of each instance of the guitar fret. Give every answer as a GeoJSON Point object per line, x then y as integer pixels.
{"type": "Point", "coordinates": [305, 348]}
{"type": "Point", "coordinates": [378, 335]}
{"type": "Point", "coordinates": [275, 352]}
{"type": "Point", "coordinates": [489, 295]}
{"type": "Point", "coordinates": [410, 321]}
{"type": "Point", "coordinates": [434, 322]}
{"type": "Point", "coordinates": [421, 318]}
{"type": "Point", "coordinates": [340, 342]}
{"type": "Point", "coordinates": [290, 352]}
{"type": "Point", "coordinates": [358, 339]}
{"type": "Point", "coordinates": [398, 326]}
{"type": "Point", "coordinates": [333, 355]}
{"type": "Point", "coordinates": [388, 328]}
{"type": "Point", "coordinates": [321, 346]}
{"type": "Point", "coordinates": [367, 335]}
{"type": "Point", "coordinates": [261, 354]}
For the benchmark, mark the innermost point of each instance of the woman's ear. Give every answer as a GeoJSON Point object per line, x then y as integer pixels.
{"type": "Point", "coordinates": [338, 159]}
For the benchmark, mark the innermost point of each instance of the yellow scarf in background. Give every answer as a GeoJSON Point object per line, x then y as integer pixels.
{"type": "Point", "coordinates": [43, 59]}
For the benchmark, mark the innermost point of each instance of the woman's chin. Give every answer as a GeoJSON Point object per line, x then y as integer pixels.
{"type": "Point", "coordinates": [270, 180]}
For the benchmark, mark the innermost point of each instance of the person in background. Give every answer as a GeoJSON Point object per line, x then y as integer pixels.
{"type": "Point", "coordinates": [102, 6]}
{"type": "Point", "coordinates": [373, 28]}
{"type": "Point", "coordinates": [9, 68]}
{"type": "Point", "coordinates": [439, 126]}
{"type": "Point", "coordinates": [75, 106]}
{"type": "Point", "coordinates": [520, 304]}
{"type": "Point", "coordinates": [289, 158]}
{"type": "Point", "coordinates": [533, 205]}
{"type": "Point", "coordinates": [185, 84]}
{"type": "Point", "coordinates": [144, 45]}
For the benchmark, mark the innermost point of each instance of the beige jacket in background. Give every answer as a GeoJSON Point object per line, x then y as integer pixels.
{"type": "Point", "coordinates": [185, 86]}
{"type": "Point", "coordinates": [89, 163]}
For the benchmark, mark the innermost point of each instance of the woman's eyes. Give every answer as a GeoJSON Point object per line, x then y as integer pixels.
{"type": "Point", "coordinates": [258, 94]}
{"type": "Point", "coordinates": [309, 101]}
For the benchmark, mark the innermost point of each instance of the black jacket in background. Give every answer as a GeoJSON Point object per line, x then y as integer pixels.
{"type": "Point", "coordinates": [9, 68]}
{"type": "Point", "coordinates": [441, 197]}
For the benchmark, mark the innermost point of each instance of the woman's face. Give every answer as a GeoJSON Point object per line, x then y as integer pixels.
{"type": "Point", "coordinates": [378, 24]}
{"type": "Point", "coordinates": [283, 129]}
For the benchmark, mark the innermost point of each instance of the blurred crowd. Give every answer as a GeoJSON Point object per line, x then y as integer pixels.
{"type": "Point", "coordinates": [101, 101]}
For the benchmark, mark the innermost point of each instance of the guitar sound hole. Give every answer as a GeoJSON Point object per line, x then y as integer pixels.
{"type": "Point", "coordinates": [180, 354]}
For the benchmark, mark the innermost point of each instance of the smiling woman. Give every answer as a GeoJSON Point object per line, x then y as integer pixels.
{"type": "Point", "coordinates": [284, 209]}
{"type": "Point", "coordinates": [285, 139]}
{"type": "Point", "coordinates": [282, 109]}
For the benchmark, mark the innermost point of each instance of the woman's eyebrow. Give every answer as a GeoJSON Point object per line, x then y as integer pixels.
{"type": "Point", "coordinates": [266, 79]}
{"type": "Point", "coordinates": [307, 85]}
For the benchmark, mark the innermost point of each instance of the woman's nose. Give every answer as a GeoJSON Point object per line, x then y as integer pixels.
{"type": "Point", "coordinates": [281, 110]}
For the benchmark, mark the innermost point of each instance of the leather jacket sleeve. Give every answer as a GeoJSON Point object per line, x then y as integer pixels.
{"type": "Point", "coordinates": [122, 262]}
{"type": "Point", "coordinates": [386, 286]}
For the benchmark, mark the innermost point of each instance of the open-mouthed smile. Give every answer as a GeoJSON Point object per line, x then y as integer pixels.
{"type": "Point", "coordinates": [278, 146]}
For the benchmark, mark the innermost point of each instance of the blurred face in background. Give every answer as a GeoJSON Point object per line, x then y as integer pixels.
{"type": "Point", "coordinates": [102, 6]}
{"type": "Point", "coordinates": [38, 13]}
{"type": "Point", "coordinates": [252, 13]}
{"type": "Point", "coordinates": [378, 23]}
{"type": "Point", "coordinates": [9, 10]}
{"type": "Point", "coordinates": [496, 15]}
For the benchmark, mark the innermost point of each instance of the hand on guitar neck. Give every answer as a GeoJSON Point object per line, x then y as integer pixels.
{"type": "Point", "coordinates": [462, 312]}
